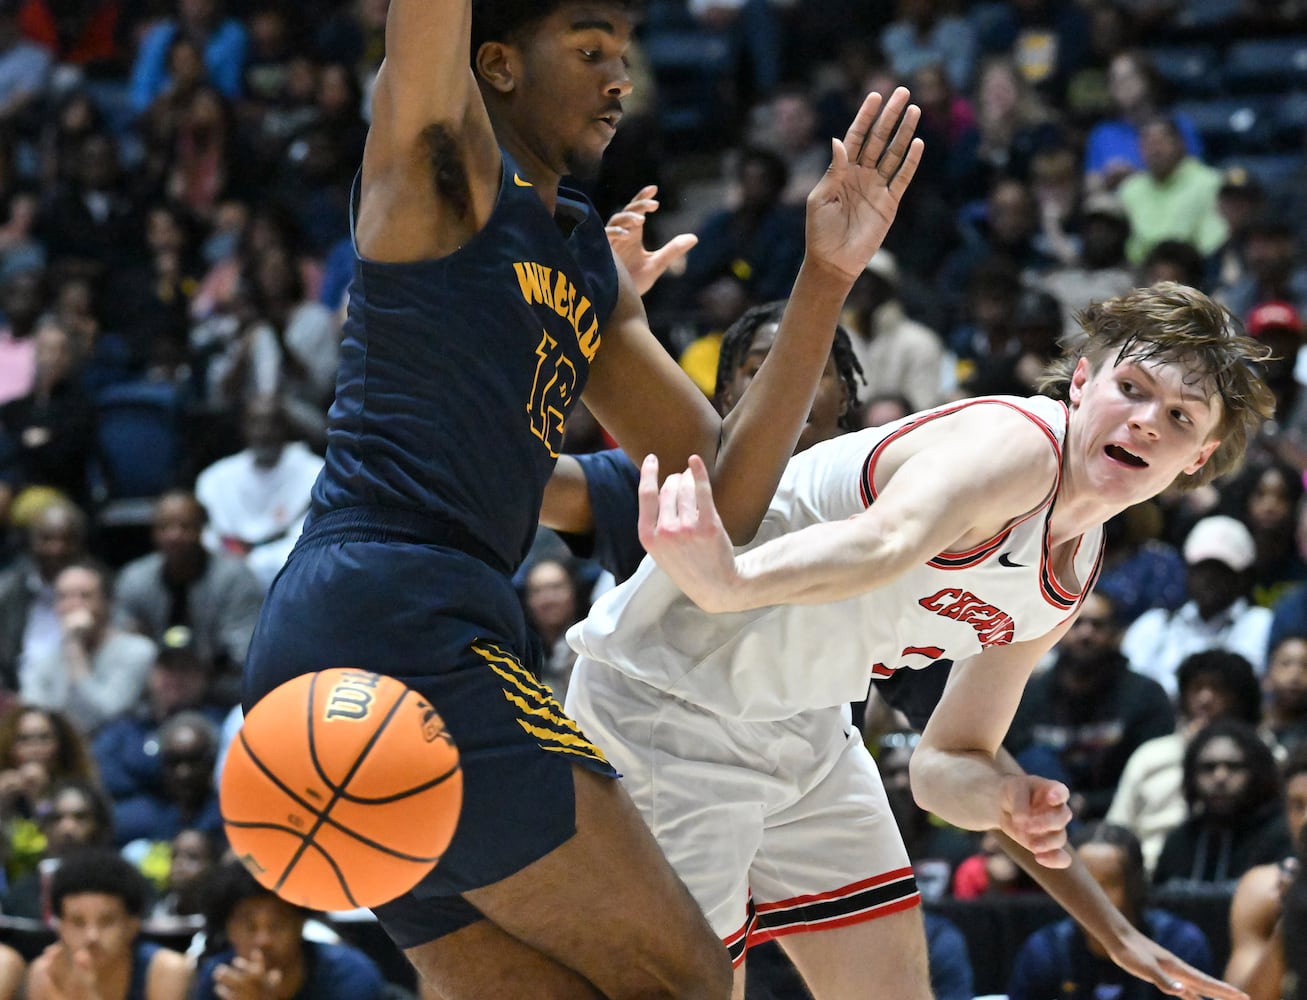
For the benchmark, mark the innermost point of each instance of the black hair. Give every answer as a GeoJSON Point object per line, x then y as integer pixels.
{"type": "Point", "coordinates": [1238, 491]}
{"type": "Point", "coordinates": [738, 338]}
{"type": "Point", "coordinates": [1232, 673]}
{"type": "Point", "coordinates": [101, 809]}
{"type": "Point", "coordinates": [103, 871]}
{"type": "Point", "coordinates": [229, 884]}
{"type": "Point", "coordinates": [1136, 876]}
{"type": "Point", "coordinates": [1263, 775]}
{"type": "Point", "coordinates": [1184, 256]}
{"type": "Point", "coordinates": [1294, 764]}
{"type": "Point", "coordinates": [506, 20]}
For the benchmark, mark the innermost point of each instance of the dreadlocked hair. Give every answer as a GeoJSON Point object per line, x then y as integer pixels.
{"type": "Point", "coordinates": [1170, 322]}
{"type": "Point", "coordinates": [739, 337]}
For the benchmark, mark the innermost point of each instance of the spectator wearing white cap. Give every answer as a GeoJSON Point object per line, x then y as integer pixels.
{"type": "Point", "coordinates": [898, 355]}
{"type": "Point", "coordinates": [1218, 615]}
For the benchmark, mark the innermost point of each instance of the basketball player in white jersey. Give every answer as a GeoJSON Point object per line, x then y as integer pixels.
{"type": "Point", "coordinates": [970, 532]}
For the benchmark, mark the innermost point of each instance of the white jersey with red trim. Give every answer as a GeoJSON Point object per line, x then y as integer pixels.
{"type": "Point", "coordinates": [768, 663]}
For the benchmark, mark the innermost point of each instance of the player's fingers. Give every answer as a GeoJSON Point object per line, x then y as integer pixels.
{"type": "Point", "coordinates": [647, 492]}
{"type": "Point", "coordinates": [908, 169]}
{"type": "Point", "coordinates": [884, 129]}
{"type": "Point", "coordinates": [645, 193]}
{"type": "Point", "coordinates": [687, 497]}
{"type": "Point", "coordinates": [896, 150]}
{"type": "Point", "coordinates": [626, 220]}
{"type": "Point", "coordinates": [1179, 974]}
{"type": "Point", "coordinates": [860, 128]}
{"type": "Point", "coordinates": [702, 484]}
{"type": "Point", "coordinates": [673, 250]}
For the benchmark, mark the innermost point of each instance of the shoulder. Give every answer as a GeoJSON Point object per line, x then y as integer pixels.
{"type": "Point", "coordinates": [347, 969]}
{"type": "Point", "coordinates": [138, 573]}
{"type": "Point", "coordinates": [130, 646]}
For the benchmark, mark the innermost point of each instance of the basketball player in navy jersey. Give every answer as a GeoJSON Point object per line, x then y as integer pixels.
{"type": "Point", "coordinates": [970, 532]}
{"type": "Point", "coordinates": [485, 302]}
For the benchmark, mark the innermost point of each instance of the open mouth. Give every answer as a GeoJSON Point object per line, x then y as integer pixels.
{"type": "Point", "coordinates": [611, 121]}
{"type": "Point", "coordinates": [1116, 452]}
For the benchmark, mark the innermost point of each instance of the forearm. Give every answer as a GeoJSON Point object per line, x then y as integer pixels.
{"type": "Point", "coordinates": [1265, 980]}
{"type": "Point", "coordinates": [758, 437]}
{"type": "Point", "coordinates": [961, 787]}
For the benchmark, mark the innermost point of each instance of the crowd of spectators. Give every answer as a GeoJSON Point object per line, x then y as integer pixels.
{"type": "Point", "coordinates": [174, 264]}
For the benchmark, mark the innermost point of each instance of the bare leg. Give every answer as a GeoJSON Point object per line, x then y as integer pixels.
{"type": "Point", "coordinates": [885, 957]}
{"type": "Point", "coordinates": [605, 909]}
{"type": "Point", "coordinates": [480, 960]}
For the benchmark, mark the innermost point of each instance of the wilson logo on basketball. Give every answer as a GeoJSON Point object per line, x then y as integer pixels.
{"type": "Point", "coordinates": [994, 626]}
{"type": "Point", "coordinates": [352, 697]}
{"type": "Point", "coordinates": [433, 726]}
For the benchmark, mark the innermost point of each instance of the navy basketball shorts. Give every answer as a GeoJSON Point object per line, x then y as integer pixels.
{"type": "Point", "coordinates": [451, 628]}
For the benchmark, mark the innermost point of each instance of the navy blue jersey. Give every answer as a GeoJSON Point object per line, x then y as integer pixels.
{"type": "Point", "coordinates": [612, 481]}
{"type": "Point", "coordinates": [457, 374]}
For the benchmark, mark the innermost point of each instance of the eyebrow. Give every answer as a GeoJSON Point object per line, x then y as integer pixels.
{"type": "Point", "coordinates": [1186, 394]}
{"type": "Point", "coordinates": [593, 24]}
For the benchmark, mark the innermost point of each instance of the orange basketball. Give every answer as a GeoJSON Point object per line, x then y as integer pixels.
{"type": "Point", "coordinates": [341, 790]}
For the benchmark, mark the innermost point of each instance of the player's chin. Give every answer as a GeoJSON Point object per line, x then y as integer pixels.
{"type": "Point", "coordinates": [583, 163]}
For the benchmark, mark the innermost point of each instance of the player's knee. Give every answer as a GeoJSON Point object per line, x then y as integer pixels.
{"type": "Point", "coordinates": [705, 974]}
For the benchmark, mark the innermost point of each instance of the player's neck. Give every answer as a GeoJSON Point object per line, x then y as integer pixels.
{"type": "Point", "coordinates": [530, 166]}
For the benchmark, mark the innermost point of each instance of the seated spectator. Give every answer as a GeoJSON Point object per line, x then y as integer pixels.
{"type": "Point", "coordinates": [1079, 721]}
{"type": "Point", "coordinates": [1140, 569]}
{"type": "Point", "coordinates": [256, 948]}
{"type": "Point", "coordinates": [553, 605]}
{"type": "Point", "coordinates": [127, 749]}
{"type": "Point", "coordinates": [21, 304]}
{"type": "Point", "coordinates": [1174, 197]}
{"type": "Point", "coordinates": [38, 748]}
{"type": "Point", "coordinates": [217, 597]}
{"type": "Point", "coordinates": [1219, 551]}
{"type": "Point", "coordinates": [759, 241]}
{"type": "Point", "coordinates": [934, 848]}
{"type": "Point", "coordinates": [47, 437]}
{"type": "Point", "coordinates": [98, 671]}
{"type": "Point", "coordinates": [1016, 367]}
{"type": "Point", "coordinates": [1149, 798]}
{"type": "Point", "coordinates": [1265, 497]}
{"type": "Point", "coordinates": [29, 625]}
{"type": "Point", "coordinates": [222, 39]}
{"type": "Point", "coordinates": [75, 815]}
{"type": "Point", "coordinates": [1098, 269]}
{"type": "Point", "coordinates": [1061, 962]}
{"type": "Point", "coordinates": [257, 499]}
{"type": "Point", "coordinates": [1173, 260]}
{"type": "Point", "coordinates": [193, 857]}
{"type": "Point", "coordinates": [789, 128]}
{"type": "Point", "coordinates": [145, 824]}
{"type": "Point", "coordinates": [990, 872]}
{"type": "Point", "coordinates": [896, 353]}
{"type": "Point", "coordinates": [1274, 270]}
{"type": "Point", "coordinates": [1234, 816]}
{"type": "Point", "coordinates": [1255, 932]}
{"type": "Point", "coordinates": [755, 31]}
{"type": "Point", "coordinates": [1285, 685]}
{"type": "Point", "coordinates": [1289, 613]}
{"type": "Point", "coordinates": [1112, 149]}
{"type": "Point", "coordinates": [923, 35]}
{"type": "Point", "coordinates": [98, 901]}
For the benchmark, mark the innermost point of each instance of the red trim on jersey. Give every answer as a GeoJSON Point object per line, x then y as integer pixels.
{"type": "Point", "coordinates": [817, 897]}
{"type": "Point", "coordinates": [885, 910]}
{"type": "Point", "coordinates": [979, 553]}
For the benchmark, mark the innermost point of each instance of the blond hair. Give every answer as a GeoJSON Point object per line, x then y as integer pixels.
{"type": "Point", "coordinates": [1170, 322]}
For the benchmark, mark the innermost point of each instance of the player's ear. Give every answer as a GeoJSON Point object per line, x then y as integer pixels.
{"type": "Point", "coordinates": [1079, 376]}
{"type": "Point", "coordinates": [494, 65]}
{"type": "Point", "coordinates": [1208, 450]}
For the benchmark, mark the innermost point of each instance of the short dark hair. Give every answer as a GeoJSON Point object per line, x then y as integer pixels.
{"type": "Point", "coordinates": [1232, 672]}
{"type": "Point", "coordinates": [101, 809]}
{"type": "Point", "coordinates": [230, 884]}
{"type": "Point", "coordinates": [507, 20]}
{"type": "Point", "coordinates": [99, 870]}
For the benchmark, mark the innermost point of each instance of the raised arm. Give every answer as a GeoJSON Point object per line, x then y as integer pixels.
{"type": "Point", "coordinates": [651, 407]}
{"type": "Point", "coordinates": [431, 163]}
{"type": "Point", "coordinates": [959, 478]}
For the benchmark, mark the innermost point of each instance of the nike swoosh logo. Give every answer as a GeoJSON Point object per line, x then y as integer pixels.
{"type": "Point", "coordinates": [1006, 560]}
{"type": "Point", "coordinates": [521, 183]}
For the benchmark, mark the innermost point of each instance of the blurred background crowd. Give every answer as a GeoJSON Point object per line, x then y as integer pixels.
{"type": "Point", "coordinates": [174, 268]}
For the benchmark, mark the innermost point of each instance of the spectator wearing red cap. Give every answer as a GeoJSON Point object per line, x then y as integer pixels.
{"type": "Point", "coordinates": [1273, 271]}
{"type": "Point", "coordinates": [1279, 325]}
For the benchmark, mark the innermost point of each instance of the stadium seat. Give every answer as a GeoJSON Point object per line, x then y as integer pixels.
{"type": "Point", "coordinates": [1266, 65]}
{"type": "Point", "coordinates": [1230, 125]}
{"type": "Point", "coordinates": [139, 449]}
{"type": "Point", "coordinates": [1189, 70]}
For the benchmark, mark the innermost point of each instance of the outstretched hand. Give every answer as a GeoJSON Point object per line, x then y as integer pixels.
{"type": "Point", "coordinates": [851, 208]}
{"type": "Point", "coordinates": [680, 528]}
{"type": "Point", "coordinates": [1142, 957]}
{"type": "Point", "coordinates": [626, 236]}
{"type": "Point", "coordinates": [1035, 813]}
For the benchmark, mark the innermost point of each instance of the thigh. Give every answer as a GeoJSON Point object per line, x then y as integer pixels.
{"type": "Point", "coordinates": [607, 905]}
{"type": "Point", "coordinates": [697, 791]}
{"type": "Point", "coordinates": [877, 958]}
